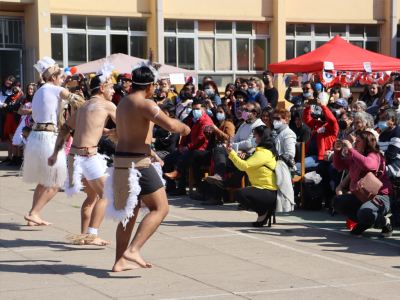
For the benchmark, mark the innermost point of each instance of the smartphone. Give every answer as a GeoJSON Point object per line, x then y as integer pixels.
{"type": "Point", "coordinates": [74, 77]}
{"type": "Point", "coordinates": [313, 101]}
{"type": "Point", "coordinates": [229, 141]}
{"type": "Point", "coordinates": [78, 88]}
{"type": "Point", "coordinates": [341, 144]}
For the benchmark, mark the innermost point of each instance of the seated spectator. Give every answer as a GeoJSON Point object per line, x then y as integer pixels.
{"type": "Point", "coordinates": [363, 158]}
{"type": "Point", "coordinates": [244, 85]}
{"type": "Point", "coordinates": [124, 90]}
{"type": "Point", "coordinates": [211, 109]}
{"type": "Point", "coordinates": [260, 168]}
{"type": "Point", "coordinates": [346, 129]}
{"type": "Point", "coordinates": [163, 141]}
{"type": "Point", "coordinates": [255, 94]}
{"type": "Point", "coordinates": [211, 90]}
{"type": "Point", "coordinates": [359, 106]}
{"type": "Point", "coordinates": [240, 99]}
{"type": "Point", "coordinates": [297, 125]}
{"type": "Point", "coordinates": [324, 132]}
{"type": "Point", "coordinates": [162, 99]}
{"type": "Point", "coordinates": [270, 92]}
{"type": "Point", "coordinates": [205, 79]}
{"type": "Point", "coordinates": [340, 106]}
{"type": "Point", "coordinates": [310, 91]}
{"type": "Point", "coordinates": [374, 93]}
{"type": "Point", "coordinates": [364, 121]}
{"type": "Point", "coordinates": [11, 118]}
{"type": "Point", "coordinates": [171, 94]}
{"type": "Point", "coordinates": [229, 89]}
{"type": "Point", "coordinates": [389, 141]}
{"type": "Point", "coordinates": [285, 140]}
{"type": "Point", "coordinates": [238, 82]}
{"type": "Point", "coordinates": [182, 157]}
{"type": "Point", "coordinates": [239, 120]}
{"type": "Point", "coordinates": [186, 98]}
{"type": "Point", "coordinates": [334, 94]}
{"type": "Point", "coordinates": [268, 117]}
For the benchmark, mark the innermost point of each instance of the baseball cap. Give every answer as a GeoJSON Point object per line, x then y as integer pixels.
{"type": "Point", "coordinates": [126, 76]}
{"type": "Point", "coordinates": [341, 102]}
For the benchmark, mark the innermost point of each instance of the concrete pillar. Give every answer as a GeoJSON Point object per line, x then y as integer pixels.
{"type": "Point", "coordinates": [156, 30]}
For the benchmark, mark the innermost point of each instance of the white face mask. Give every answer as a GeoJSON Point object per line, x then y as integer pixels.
{"type": "Point", "coordinates": [277, 124]}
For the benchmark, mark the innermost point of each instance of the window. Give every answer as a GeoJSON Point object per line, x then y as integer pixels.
{"type": "Point", "coordinates": [219, 49]}
{"type": "Point", "coordinates": [11, 33]}
{"type": "Point", "coordinates": [80, 39]}
{"type": "Point", "coordinates": [303, 38]}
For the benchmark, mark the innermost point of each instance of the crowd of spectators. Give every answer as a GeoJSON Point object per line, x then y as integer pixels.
{"type": "Point", "coordinates": [239, 137]}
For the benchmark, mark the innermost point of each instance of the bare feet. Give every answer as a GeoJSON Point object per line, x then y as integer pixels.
{"type": "Point", "coordinates": [36, 219]}
{"type": "Point", "coordinates": [136, 258]}
{"type": "Point", "coordinates": [97, 242]}
{"type": "Point", "coordinates": [32, 224]}
{"type": "Point", "coordinates": [122, 265]}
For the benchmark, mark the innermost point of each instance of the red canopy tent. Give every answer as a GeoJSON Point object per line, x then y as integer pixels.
{"type": "Point", "coordinates": [343, 55]}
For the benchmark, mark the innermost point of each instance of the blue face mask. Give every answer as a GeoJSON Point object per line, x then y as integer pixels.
{"type": "Point", "coordinates": [197, 113]}
{"type": "Point", "coordinates": [252, 91]}
{"type": "Point", "coordinates": [220, 117]}
{"type": "Point", "coordinates": [120, 84]}
{"type": "Point", "coordinates": [307, 95]}
{"type": "Point", "coordinates": [208, 92]}
{"type": "Point", "coordinates": [253, 143]}
{"type": "Point", "coordinates": [188, 110]}
{"type": "Point", "coordinates": [383, 126]}
{"type": "Point", "coordinates": [209, 112]}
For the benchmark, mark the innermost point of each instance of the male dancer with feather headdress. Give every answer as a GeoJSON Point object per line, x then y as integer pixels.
{"type": "Point", "coordinates": [134, 178]}
{"type": "Point", "coordinates": [86, 167]}
{"type": "Point", "coordinates": [48, 113]}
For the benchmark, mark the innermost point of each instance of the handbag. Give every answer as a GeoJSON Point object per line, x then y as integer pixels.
{"type": "Point", "coordinates": [366, 188]}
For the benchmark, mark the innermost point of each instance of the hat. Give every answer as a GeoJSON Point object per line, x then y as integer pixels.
{"type": "Point", "coordinates": [240, 92]}
{"type": "Point", "coordinates": [47, 67]}
{"type": "Point", "coordinates": [341, 102]}
{"type": "Point", "coordinates": [126, 76]}
{"type": "Point", "coordinates": [104, 76]}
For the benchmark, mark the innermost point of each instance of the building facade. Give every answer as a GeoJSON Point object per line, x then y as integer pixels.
{"type": "Point", "coordinates": [222, 38]}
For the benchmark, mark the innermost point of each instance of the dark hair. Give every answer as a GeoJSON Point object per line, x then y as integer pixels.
{"type": "Point", "coordinates": [189, 85]}
{"type": "Point", "coordinates": [257, 108]}
{"type": "Point", "coordinates": [244, 80]}
{"type": "Point", "coordinates": [171, 110]}
{"type": "Point", "coordinates": [268, 72]}
{"type": "Point", "coordinates": [391, 113]}
{"type": "Point", "coordinates": [185, 94]}
{"type": "Point", "coordinates": [87, 94]}
{"type": "Point", "coordinates": [214, 85]}
{"type": "Point", "coordinates": [207, 77]}
{"type": "Point", "coordinates": [16, 83]}
{"type": "Point", "coordinates": [397, 78]}
{"type": "Point", "coordinates": [141, 75]}
{"type": "Point", "coordinates": [270, 111]}
{"type": "Point", "coordinates": [314, 88]}
{"type": "Point", "coordinates": [370, 142]}
{"type": "Point", "coordinates": [199, 100]}
{"type": "Point", "coordinates": [27, 129]}
{"type": "Point", "coordinates": [335, 89]}
{"type": "Point", "coordinates": [10, 78]}
{"type": "Point", "coordinates": [348, 114]}
{"type": "Point", "coordinates": [267, 140]}
{"type": "Point", "coordinates": [230, 86]}
{"type": "Point", "coordinates": [95, 84]}
{"type": "Point", "coordinates": [27, 97]}
{"type": "Point", "coordinates": [227, 112]}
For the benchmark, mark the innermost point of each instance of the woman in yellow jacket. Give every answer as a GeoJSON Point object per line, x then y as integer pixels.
{"type": "Point", "coordinates": [260, 167]}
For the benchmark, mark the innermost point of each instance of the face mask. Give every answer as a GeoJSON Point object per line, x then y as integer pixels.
{"type": "Point", "coordinates": [120, 84]}
{"type": "Point", "coordinates": [208, 92]}
{"type": "Point", "coordinates": [197, 113]}
{"type": "Point", "coordinates": [220, 117]}
{"type": "Point", "coordinates": [342, 125]}
{"type": "Point", "coordinates": [209, 112]}
{"type": "Point", "coordinates": [266, 81]}
{"type": "Point", "coordinates": [383, 126]}
{"type": "Point", "coordinates": [15, 91]}
{"type": "Point", "coordinates": [252, 91]}
{"type": "Point", "coordinates": [245, 115]}
{"type": "Point", "coordinates": [277, 124]}
{"type": "Point", "coordinates": [307, 95]}
{"type": "Point", "coordinates": [160, 98]}
{"type": "Point", "coordinates": [240, 118]}
{"type": "Point", "coordinates": [237, 85]}
{"type": "Point", "coordinates": [188, 110]}
{"type": "Point", "coordinates": [253, 143]}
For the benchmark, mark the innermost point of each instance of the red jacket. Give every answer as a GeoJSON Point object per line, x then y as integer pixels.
{"type": "Point", "coordinates": [198, 140]}
{"type": "Point", "coordinates": [326, 132]}
{"type": "Point", "coordinates": [117, 97]}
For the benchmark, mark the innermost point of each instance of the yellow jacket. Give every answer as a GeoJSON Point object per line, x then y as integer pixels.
{"type": "Point", "coordinates": [260, 176]}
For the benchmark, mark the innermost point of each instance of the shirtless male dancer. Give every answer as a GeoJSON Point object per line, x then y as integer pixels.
{"type": "Point", "coordinates": [48, 113]}
{"type": "Point", "coordinates": [136, 115]}
{"type": "Point", "coordinates": [87, 168]}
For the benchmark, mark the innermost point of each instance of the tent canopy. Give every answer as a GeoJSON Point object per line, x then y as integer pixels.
{"type": "Point", "coordinates": [123, 64]}
{"type": "Point", "coordinates": [343, 55]}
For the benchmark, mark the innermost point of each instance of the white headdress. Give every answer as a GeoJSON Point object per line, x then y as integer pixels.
{"type": "Point", "coordinates": [47, 67]}
{"type": "Point", "coordinates": [106, 73]}
{"type": "Point", "coordinates": [149, 63]}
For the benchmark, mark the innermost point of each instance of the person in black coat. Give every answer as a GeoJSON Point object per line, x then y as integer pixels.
{"type": "Point", "coordinates": [165, 142]}
{"type": "Point", "coordinates": [296, 123]}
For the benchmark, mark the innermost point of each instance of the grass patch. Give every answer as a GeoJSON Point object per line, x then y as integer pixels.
{"type": "Point", "coordinates": [75, 206]}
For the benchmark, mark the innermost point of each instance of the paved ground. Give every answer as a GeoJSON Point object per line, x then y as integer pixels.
{"type": "Point", "coordinates": [197, 253]}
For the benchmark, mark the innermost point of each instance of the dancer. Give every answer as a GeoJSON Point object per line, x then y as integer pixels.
{"type": "Point", "coordinates": [134, 178]}
{"type": "Point", "coordinates": [86, 167]}
{"type": "Point", "coordinates": [48, 113]}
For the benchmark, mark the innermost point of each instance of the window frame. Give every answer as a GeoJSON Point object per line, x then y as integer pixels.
{"type": "Point", "coordinates": [107, 32]}
{"type": "Point", "coordinates": [235, 73]}
{"type": "Point", "coordinates": [21, 31]}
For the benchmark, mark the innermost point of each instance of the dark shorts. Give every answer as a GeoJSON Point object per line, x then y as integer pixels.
{"type": "Point", "coordinates": [150, 181]}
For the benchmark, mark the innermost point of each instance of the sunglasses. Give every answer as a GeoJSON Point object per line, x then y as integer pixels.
{"type": "Point", "coordinates": [306, 88]}
{"type": "Point", "coordinates": [247, 110]}
{"type": "Point", "coordinates": [277, 118]}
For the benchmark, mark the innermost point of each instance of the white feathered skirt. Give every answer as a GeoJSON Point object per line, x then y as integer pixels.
{"type": "Point", "coordinates": [39, 148]}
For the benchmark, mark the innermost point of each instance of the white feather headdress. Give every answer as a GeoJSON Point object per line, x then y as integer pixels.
{"type": "Point", "coordinates": [46, 64]}
{"type": "Point", "coordinates": [149, 63]}
{"type": "Point", "coordinates": [105, 71]}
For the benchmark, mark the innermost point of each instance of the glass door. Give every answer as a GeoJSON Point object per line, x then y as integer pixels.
{"type": "Point", "coordinates": [11, 64]}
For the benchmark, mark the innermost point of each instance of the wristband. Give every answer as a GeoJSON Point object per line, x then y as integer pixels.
{"type": "Point", "coordinates": [154, 157]}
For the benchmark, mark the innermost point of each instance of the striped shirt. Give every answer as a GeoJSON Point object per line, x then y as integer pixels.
{"type": "Point", "coordinates": [389, 143]}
